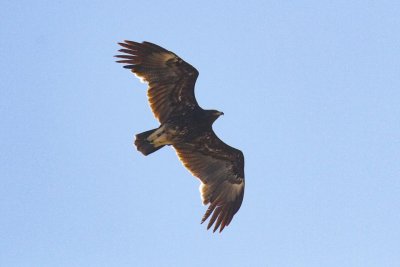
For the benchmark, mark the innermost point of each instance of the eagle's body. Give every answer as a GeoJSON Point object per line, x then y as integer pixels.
{"type": "Point", "coordinates": [188, 128]}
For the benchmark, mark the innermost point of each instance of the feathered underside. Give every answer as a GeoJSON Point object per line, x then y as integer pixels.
{"type": "Point", "coordinates": [171, 80]}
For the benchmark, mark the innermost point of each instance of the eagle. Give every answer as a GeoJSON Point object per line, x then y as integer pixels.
{"type": "Point", "coordinates": [187, 127]}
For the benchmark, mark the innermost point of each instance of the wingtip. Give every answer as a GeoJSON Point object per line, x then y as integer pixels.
{"type": "Point", "coordinates": [222, 227]}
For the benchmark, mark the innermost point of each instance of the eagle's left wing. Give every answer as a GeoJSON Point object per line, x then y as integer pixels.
{"type": "Point", "coordinates": [221, 171]}
{"type": "Point", "coordinates": [171, 80]}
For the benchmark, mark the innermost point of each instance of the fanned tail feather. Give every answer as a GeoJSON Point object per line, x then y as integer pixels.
{"type": "Point", "coordinates": [143, 145]}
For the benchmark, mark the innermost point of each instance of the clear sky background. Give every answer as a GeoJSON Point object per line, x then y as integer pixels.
{"type": "Point", "coordinates": [311, 95]}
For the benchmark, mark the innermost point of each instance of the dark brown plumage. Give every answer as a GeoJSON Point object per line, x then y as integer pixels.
{"type": "Point", "coordinates": [188, 128]}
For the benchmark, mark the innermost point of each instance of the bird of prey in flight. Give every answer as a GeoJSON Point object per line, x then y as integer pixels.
{"type": "Point", "coordinates": [188, 128]}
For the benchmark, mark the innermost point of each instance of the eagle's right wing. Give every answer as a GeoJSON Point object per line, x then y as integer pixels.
{"type": "Point", "coordinates": [221, 171]}
{"type": "Point", "coordinates": [171, 80]}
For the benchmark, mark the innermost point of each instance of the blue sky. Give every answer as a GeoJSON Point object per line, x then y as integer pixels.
{"type": "Point", "coordinates": [310, 92]}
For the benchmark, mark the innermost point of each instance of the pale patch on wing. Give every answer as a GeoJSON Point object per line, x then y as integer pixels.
{"type": "Point", "coordinates": [141, 78]}
{"type": "Point", "coordinates": [167, 56]}
{"type": "Point", "coordinates": [201, 189]}
{"type": "Point", "coordinates": [227, 191]}
{"type": "Point", "coordinates": [234, 191]}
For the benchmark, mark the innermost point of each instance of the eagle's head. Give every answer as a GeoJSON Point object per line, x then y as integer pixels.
{"type": "Point", "coordinates": [213, 115]}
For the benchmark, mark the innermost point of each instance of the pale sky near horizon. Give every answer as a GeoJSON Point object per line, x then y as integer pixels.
{"type": "Point", "coordinates": [311, 95]}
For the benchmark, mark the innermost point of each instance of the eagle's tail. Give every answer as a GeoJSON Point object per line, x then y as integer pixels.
{"type": "Point", "coordinates": [143, 145]}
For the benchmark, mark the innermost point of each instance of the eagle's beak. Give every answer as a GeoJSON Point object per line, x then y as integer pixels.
{"type": "Point", "coordinates": [217, 113]}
